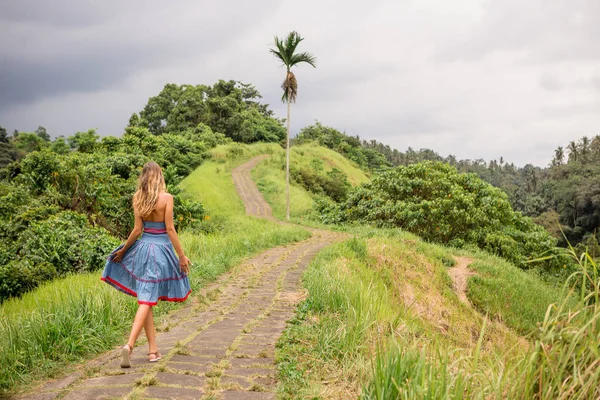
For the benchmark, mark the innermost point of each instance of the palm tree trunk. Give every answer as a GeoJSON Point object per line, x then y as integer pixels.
{"type": "Point", "coordinates": [287, 166]}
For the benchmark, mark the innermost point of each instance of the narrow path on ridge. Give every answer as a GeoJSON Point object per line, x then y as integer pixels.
{"type": "Point", "coordinates": [223, 351]}
{"type": "Point", "coordinates": [460, 274]}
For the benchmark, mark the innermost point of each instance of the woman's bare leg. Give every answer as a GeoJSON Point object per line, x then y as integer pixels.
{"type": "Point", "coordinates": [138, 323]}
{"type": "Point", "coordinates": [150, 332]}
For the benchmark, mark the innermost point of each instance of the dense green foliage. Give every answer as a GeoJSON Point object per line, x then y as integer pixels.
{"type": "Point", "coordinates": [333, 184]}
{"type": "Point", "coordinates": [349, 146]}
{"type": "Point", "coordinates": [436, 202]}
{"type": "Point", "coordinates": [564, 196]}
{"type": "Point", "coordinates": [228, 107]}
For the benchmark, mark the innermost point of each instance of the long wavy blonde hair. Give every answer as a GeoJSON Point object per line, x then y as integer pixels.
{"type": "Point", "coordinates": [150, 184]}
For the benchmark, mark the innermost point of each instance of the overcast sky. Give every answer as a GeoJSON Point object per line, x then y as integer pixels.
{"type": "Point", "coordinates": [473, 78]}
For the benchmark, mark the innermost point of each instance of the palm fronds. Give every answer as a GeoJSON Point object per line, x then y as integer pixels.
{"type": "Point", "coordinates": [285, 51]}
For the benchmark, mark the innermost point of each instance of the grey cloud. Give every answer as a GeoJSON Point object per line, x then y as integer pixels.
{"type": "Point", "coordinates": [596, 83]}
{"type": "Point", "coordinates": [570, 110]}
{"type": "Point", "coordinates": [111, 46]}
{"type": "Point", "coordinates": [91, 64]}
{"type": "Point", "coordinates": [550, 83]}
{"type": "Point", "coordinates": [543, 30]}
{"type": "Point", "coordinates": [69, 13]}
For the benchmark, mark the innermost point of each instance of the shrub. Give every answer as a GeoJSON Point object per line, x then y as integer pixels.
{"type": "Point", "coordinates": [436, 202]}
{"type": "Point", "coordinates": [16, 278]}
{"type": "Point", "coordinates": [333, 184]}
{"type": "Point", "coordinates": [67, 242]}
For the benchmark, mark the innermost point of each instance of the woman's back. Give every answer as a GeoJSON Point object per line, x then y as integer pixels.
{"type": "Point", "coordinates": [158, 214]}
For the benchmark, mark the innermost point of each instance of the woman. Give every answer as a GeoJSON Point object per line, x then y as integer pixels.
{"type": "Point", "coordinates": [147, 268]}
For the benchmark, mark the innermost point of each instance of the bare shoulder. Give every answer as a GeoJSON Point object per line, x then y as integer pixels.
{"type": "Point", "coordinates": [165, 198]}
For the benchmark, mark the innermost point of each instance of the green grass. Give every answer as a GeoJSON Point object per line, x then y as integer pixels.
{"type": "Point", "coordinates": [269, 176]}
{"type": "Point", "coordinates": [211, 183]}
{"type": "Point", "coordinates": [517, 298]}
{"type": "Point", "coordinates": [381, 306]}
{"type": "Point", "coordinates": [270, 179]}
{"type": "Point", "coordinates": [562, 363]}
{"type": "Point", "coordinates": [58, 323]}
{"type": "Point", "coordinates": [304, 154]}
{"type": "Point", "coordinates": [71, 319]}
{"type": "Point", "coordinates": [327, 339]}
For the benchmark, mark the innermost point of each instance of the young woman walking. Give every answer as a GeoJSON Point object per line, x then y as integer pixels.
{"type": "Point", "coordinates": [147, 268]}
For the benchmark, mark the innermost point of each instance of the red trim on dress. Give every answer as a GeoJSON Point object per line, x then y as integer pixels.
{"type": "Point", "coordinates": [154, 230]}
{"type": "Point", "coordinates": [150, 303]}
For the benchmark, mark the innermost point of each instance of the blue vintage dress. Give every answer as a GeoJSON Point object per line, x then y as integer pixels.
{"type": "Point", "coordinates": [149, 270]}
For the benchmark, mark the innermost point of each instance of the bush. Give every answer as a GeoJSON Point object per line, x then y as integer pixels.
{"type": "Point", "coordinates": [16, 278]}
{"type": "Point", "coordinates": [333, 184]}
{"type": "Point", "coordinates": [434, 201]}
{"type": "Point", "coordinates": [67, 242]}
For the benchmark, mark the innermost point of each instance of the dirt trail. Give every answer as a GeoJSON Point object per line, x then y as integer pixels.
{"type": "Point", "coordinates": [460, 274]}
{"type": "Point", "coordinates": [220, 351]}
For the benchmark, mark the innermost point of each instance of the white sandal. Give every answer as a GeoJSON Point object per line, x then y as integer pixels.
{"type": "Point", "coordinates": [157, 356]}
{"type": "Point", "coordinates": [126, 356]}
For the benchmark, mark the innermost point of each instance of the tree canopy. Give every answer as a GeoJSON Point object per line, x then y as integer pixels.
{"type": "Point", "coordinates": [228, 107]}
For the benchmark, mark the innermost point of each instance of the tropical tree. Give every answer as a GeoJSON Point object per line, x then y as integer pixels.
{"type": "Point", "coordinates": [559, 156]}
{"type": "Point", "coordinates": [3, 135]}
{"type": "Point", "coordinates": [573, 151]}
{"type": "Point", "coordinates": [285, 51]}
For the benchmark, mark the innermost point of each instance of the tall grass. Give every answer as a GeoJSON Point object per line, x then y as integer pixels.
{"type": "Point", "coordinates": [59, 322]}
{"type": "Point", "coordinates": [335, 327]}
{"type": "Point", "coordinates": [507, 293]}
{"type": "Point", "coordinates": [358, 334]}
{"type": "Point", "coordinates": [409, 372]}
{"type": "Point", "coordinates": [563, 362]}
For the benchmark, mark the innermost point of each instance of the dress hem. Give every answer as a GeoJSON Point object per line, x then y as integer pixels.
{"type": "Point", "coordinates": [149, 303]}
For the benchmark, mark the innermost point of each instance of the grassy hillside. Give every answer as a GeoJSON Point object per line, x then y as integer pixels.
{"type": "Point", "coordinates": [387, 294]}
{"type": "Point", "coordinates": [70, 319]}
{"type": "Point", "coordinates": [269, 176]}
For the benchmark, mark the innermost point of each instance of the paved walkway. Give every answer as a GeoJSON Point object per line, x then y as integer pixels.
{"type": "Point", "coordinates": [220, 346]}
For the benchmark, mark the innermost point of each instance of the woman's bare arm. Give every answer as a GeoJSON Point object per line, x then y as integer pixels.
{"type": "Point", "coordinates": [135, 233]}
{"type": "Point", "coordinates": [137, 230]}
{"type": "Point", "coordinates": [171, 227]}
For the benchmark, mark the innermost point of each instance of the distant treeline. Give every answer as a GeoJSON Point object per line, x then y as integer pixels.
{"type": "Point", "coordinates": [565, 195]}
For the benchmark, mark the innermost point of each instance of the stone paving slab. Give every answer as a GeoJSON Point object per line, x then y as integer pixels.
{"type": "Point", "coordinates": [42, 396]}
{"type": "Point", "coordinates": [244, 395]}
{"type": "Point", "coordinates": [180, 379]}
{"type": "Point", "coordinates": [98, 393]}
{"type": "Point", "coordinates": [158, 392]}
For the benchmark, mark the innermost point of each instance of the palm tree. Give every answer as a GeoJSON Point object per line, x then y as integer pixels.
{"type": "Point", "coordinates": [573, 151]}
{"type": "Point", "coordinates": [559, 156]}
{"type": "Point", "coordinates": [285, 51]}
{"type": "Point", "coordinates": [585, 148]}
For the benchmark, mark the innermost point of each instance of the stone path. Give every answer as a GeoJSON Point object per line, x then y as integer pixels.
{"type": "Point", "coordinates": [248, 192]}
{"type": "Point", "coordinates": [221, 346]}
